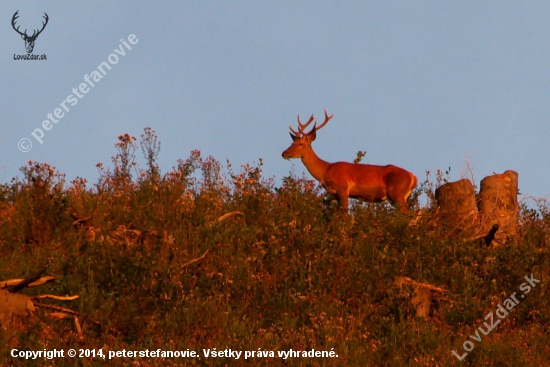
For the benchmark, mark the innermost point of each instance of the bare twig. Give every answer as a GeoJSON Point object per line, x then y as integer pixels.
{"type": "Point", "coordinates": [469, 174]}
{"type": "Point", "coordinates": [82, 220]}
{"type": "Point", "coordinates": [197, 259]}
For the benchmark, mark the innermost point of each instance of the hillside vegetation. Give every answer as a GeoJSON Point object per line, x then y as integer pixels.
{"type": "Point", "coordinates": [158, 266]}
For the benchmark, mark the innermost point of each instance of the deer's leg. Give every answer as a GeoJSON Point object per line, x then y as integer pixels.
{"type": "Point", "coordinates": [399, 202]}
{"type": "Point", "coordinates": [398, 191]}
{"type": "Point", "coordinates": [340, 192]}
{"type": "Point", "coordinates": [343, 199]}
{"type": "Point", "coordinates": [403, 206]}
{"type": "Point", "coordinates": [344, 203]}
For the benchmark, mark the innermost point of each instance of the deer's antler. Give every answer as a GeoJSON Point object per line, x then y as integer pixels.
{"type": "Point", "coordinates": [302, 127]}
{"type": "Point", "coordinates": [35, 33]}
{"type": "Point", "coordinates": [43, 26]}
{"type": "Point", "coordinates": [327, 119]}
{"type": "Point", "coordinates": [13, 19]}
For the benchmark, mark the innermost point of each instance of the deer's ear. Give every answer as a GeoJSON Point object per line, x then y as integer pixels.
{"type": "Point", "coordinates": [294, 137]}
{"type": "Point", "coordinates": [311, 136]}
{"type": "Point", "coordinates": [23, 36]}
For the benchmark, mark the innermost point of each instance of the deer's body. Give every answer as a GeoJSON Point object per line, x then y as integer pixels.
{"type": "Point", "coordinates": [345, 180]}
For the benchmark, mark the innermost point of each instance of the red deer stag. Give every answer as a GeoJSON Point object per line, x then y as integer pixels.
{"type": "Point", "coordinates": [350, 180]}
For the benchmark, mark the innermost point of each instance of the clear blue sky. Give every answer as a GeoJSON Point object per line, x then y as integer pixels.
{"type": "Point", "coordinates": [419, 84]}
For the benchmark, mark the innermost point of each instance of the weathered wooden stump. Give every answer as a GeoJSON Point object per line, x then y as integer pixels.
{"type": "Point", "coordinates": [498, 204]}
{"type": "Point", "coordinates": [457, 202]}
{"type": "Point", "coordinates": [493, 215]}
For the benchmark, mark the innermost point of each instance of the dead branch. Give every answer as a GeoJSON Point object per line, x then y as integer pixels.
{"type": "Point", "coordinates": [41, 281]}
{"type": "Point", "coordinates": [25, 282]}
{"type": "Point", "coordinates": [57, 308]}
{"type": "Point", "coordinates": [78, 328]}
{"type": "Point", "coordinates": [423, 285]}
{"type": "Point", "coordinates": [52, 296]}
{"type": "Point", "coordinates": [59, 315]}
{"type": "Point", "coordinates": [490, 236]}
{"type": "Point", "coordinates": [229, 215]}
{"type": "Point", "coordinates": [439, 298]}
{"type": "Point", "coordinates": [78, 220]}
{"type": "Point", "coordinates": [71, 312]}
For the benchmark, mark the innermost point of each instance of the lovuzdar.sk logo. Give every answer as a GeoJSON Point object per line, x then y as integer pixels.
{"type": "Point", "coordinates": [29, 40]}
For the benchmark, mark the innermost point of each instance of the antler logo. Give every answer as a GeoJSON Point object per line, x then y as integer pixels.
{"type": "Point", "coordinates": [29, 40]}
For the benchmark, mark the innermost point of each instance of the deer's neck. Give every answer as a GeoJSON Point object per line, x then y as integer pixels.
{"type": "Point", "coordinates": [315, 165]}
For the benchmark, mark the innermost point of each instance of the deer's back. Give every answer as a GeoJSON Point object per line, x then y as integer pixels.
{"type": "Point", "coordinates": [366, 181]}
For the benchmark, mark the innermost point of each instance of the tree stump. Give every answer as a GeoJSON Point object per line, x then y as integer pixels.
{"type": "Point", "coordinates": [498, 204]}
{"type": "Point", "coordinates": [457, 202]}
{"type": "Point", "coordinates": [422, 294]}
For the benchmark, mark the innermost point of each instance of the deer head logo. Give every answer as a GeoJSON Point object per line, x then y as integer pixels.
{"type": "Point", "coordinates": [29, 40]}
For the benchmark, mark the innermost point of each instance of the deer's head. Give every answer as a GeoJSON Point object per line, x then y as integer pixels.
{"type": "Point", "coordinates": [301, 141]}
{"type": "Point", "coordinates": [29, 40]}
